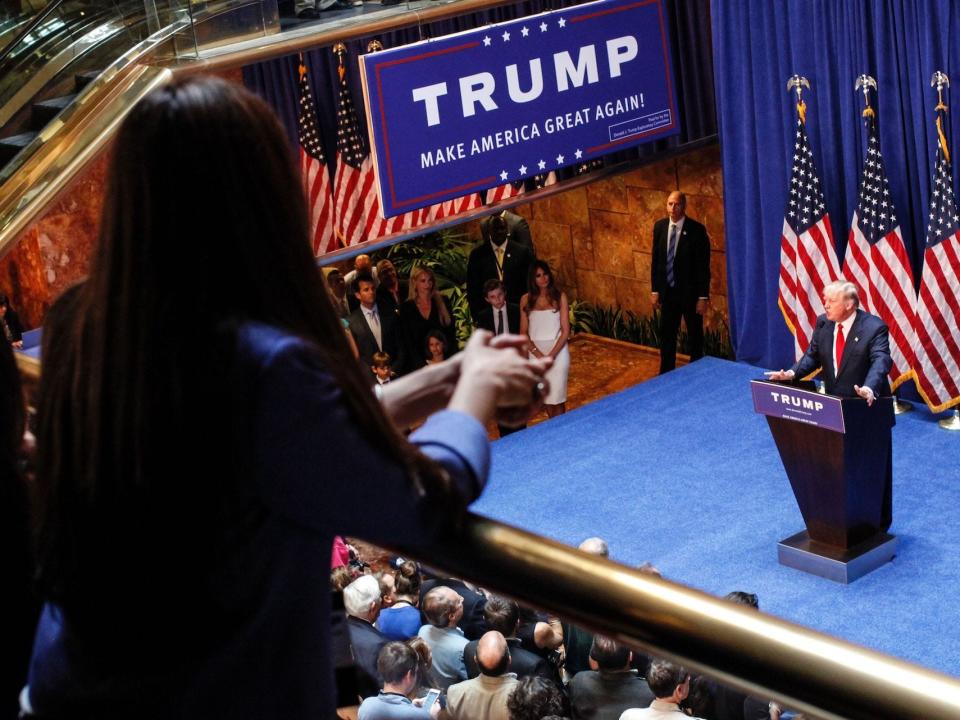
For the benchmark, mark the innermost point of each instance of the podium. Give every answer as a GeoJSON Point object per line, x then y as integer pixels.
{"type": "Point", "coordinates": [837, 453]}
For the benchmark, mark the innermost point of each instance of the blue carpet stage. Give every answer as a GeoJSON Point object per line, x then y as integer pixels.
{"type": "Point", "coordinates": [681, 472]}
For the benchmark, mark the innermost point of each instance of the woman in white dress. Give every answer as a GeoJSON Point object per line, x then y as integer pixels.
{"type": "Point", "coordinates": [546, 321]}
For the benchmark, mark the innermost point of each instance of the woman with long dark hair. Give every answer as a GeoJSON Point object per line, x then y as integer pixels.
{"type": "Point", "coordinates": [204, 433]}
{"type": "Point", "coordinates": [20, 604]}
{"type": "Point", "coordinates": [545, 320]}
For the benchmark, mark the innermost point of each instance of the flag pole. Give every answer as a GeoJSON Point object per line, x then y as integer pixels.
{"type": "Point", "coordinates": [863, 84]}
{"type": "Point", "coordinates": [940, 81]}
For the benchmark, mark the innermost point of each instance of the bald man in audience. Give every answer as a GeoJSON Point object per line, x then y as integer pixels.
{"type": "Point", "coordinates": [485, 696]}
{"type": "Point", "coordinates": [503, 615]}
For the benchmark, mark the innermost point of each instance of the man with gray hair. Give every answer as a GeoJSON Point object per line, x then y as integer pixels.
{"type": "Point", "coordinates": [576, 640]}
{"type": "Point", "coordinates": [851, 348]}
{"type": "Point", "coordinates": [361, 600]}
{"type": "Point", "coordinates": [595, 546]}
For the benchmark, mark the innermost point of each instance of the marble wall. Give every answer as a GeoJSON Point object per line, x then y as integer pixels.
{"type": "Point", "coordinates": [598, 237]}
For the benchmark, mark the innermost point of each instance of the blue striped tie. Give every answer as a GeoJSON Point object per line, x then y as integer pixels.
{"type": "Point", "coordinates": [671, 253]}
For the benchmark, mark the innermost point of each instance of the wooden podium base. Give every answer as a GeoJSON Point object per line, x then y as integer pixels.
{"type": "Point", "coordinates": [833, 563]}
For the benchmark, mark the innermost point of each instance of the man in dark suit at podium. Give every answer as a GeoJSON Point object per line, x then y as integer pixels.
{"type": "Point", "coordinates": [850, 346]}
{"type": "Point", "coordinates": [679, 279]}
{"type": "Point", "coordinates": [852, 350]}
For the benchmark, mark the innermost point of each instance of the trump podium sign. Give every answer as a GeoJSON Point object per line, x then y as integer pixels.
{"type": "Point", "coordinates": [469, 111]}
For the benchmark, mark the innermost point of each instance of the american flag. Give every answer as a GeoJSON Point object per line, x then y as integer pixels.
{"type": "Point", "coordinates": [313, 169]}
{"type": "Point", "coordinates": [358, 217]}
{"type": "Point", "coordinates": [876, 260]}
{"type": "Point", "coordinates": [449, 208]}
{"type": "Point", "coordinates": [938, 307]}
{"type": "Point", "coordinates": [544, 180]}
{"type": "Point", "coordinates": [504, 192]}
{"type": "Point", "coordinates": [589, 166]}
{"type": "Point", "coordinates": [354, 189]}
{"type": "Point", "coordinates": [808, 259]}
{"type": "Point", "coordinates": [358, 214]}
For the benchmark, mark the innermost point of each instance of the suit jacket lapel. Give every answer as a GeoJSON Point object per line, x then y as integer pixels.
{"type": "Point", "coordinates": [829, 328]}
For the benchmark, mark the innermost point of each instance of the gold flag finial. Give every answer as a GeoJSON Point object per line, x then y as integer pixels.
{"type": "Point", "coordinates": [798, 83]}
{"type": "Point", "coordinates": [864, 83]}
{"type": "Point", "coordinates": [340, 50]}
{"type": "Point", "coordinates": [939, 80]}
{"type": "Point", "coordinates": [302, 69]}
{"type": "Point", "coordinates": [374, 45]}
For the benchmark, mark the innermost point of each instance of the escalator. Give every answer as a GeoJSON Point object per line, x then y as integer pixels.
{"type": "Point", "coordinates": [54, 56]}
{"type": "Point", "coordinates": [70, 70]}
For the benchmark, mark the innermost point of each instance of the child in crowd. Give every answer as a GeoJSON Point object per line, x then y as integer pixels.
{"type": "Point", "coordinates": [381, 367]}
{"type": "Point", "coordinates": [436, 347]}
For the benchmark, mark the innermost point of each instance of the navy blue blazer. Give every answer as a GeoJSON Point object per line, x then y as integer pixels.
{"type": "Point", "coordinates": [866, 356]}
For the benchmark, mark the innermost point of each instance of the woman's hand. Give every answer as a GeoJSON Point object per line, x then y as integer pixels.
{"type": "Point", "coordinates": [498, 380]}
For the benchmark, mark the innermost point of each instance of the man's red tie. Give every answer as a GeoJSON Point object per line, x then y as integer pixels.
{"type": "Point", "coordinates": [839, 349]}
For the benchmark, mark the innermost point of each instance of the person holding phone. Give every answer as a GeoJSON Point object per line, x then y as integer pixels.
{"type": "Point", "coordinates": [191, 476]}
{"type": "Point", "coordinates": [398, 665]}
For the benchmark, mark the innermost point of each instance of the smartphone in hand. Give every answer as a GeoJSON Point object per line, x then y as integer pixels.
{"type": "Point", "coordinates": [431, 697]}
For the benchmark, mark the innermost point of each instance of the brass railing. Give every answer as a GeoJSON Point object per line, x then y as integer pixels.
{"type": "Point", "coordinates": [771, 658]}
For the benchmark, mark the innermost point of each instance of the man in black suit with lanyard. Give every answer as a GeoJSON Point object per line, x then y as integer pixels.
{"type": "Point", "coordinates": [679, 279]}
{"type": "Point", "coordinates": [501, 257]}
{"type": "Point", "coordinates": [851, 348]}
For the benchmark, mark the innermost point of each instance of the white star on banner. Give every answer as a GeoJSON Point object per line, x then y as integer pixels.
{"type": "Point", "coordinates": [486, 41]}
{"type": "Point", "coordinates": [578, 154]}
{"type": "Point", "coordinates": [506, 36]}
{"type": "Point", "coordinates": [503, 175]}
{"type": "Point", "coordinates": [559, 159]}
{"type": "Point", "coordinates": [541, 165]}
{"type": "Point", "coordinates": [523, 169]}
{"type": "Point", "coordinates": [524, 31]}
{"type": "Point", "coordinates": [562, 22]}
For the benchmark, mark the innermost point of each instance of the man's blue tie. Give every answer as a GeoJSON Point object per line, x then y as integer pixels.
{"type": "Point", "coordinates": [671, 253]}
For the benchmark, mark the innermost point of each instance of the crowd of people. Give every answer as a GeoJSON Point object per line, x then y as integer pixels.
{"type": "Point", "coordinates": [397, 325]}
{"type": "Point", "coordinates": [428, 646]}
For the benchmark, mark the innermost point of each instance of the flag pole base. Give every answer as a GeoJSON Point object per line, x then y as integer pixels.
{"type": "Point", "coordinates": [952, 422]}
{"type": "Point", "coordinates": [902, 406]}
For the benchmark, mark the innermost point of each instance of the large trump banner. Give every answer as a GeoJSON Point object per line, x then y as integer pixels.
{"type": "Point", "coordinates": [505, 102]}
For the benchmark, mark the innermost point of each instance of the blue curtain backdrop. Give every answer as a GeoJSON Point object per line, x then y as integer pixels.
{"type": "Point", "coordinates": [758, 45]}
{"type": "Point", "coordinates": [276, 80]}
